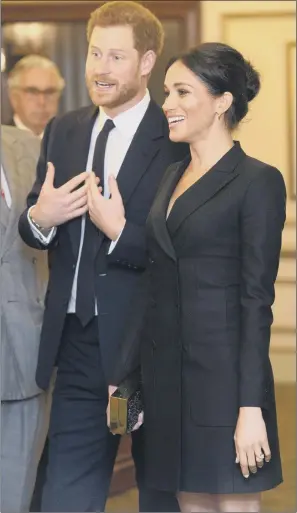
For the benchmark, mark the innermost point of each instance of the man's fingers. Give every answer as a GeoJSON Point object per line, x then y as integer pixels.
{"type": "Point", "coordinates": [81, 202]}
{"type": "Point", "coordinates": [74, 182]}
{"type": "Point", "coordinates": [79, 193]}
{"type": "Point", "coordinates": [113, 186]}
{"type": "Point", "coordinates": [90, 199]}
{"type": "Point", "coordinates": [139, 422]}
{"type": "Point", "coordinates": [77, 213]}
{"type": "Point", "coordinates": [50, 174]}
{"type": "Point", "coordinates": [95, 194]}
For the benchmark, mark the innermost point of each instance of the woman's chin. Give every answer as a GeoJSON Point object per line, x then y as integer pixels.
{"type": "Point", "coordinates": [175, 136]}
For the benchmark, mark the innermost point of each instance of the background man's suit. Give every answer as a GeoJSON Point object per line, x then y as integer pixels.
{"type": "Point", "coordinates": [23, 278]}
{"type": "Point", "coordinates": [117, 282]}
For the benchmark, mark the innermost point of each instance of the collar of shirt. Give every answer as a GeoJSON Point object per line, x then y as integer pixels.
{"type": "Point", "coordinates": [19, 124]}
{"type": "Point", "coordinates": [127, 122]}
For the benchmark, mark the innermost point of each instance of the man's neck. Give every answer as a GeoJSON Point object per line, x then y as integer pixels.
{"type": "Point", "coordinates": [19, 124]}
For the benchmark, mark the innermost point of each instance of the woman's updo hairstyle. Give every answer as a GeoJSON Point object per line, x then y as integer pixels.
{"type": "Point", "coordinates": [223, 69]}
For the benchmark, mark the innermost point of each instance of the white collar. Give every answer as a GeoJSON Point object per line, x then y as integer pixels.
{"type": "Point", "coordinates": [5, 188]}
{"type": "Point", "coordinates": [19, 124]}
{"type": "Point", "coordinates": [127, 122]}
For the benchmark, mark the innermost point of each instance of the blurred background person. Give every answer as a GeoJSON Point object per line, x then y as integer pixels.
{"type": "Point", "coordinates": [34, 85]}
{"type": "Point", "coordinates": [23, 278]}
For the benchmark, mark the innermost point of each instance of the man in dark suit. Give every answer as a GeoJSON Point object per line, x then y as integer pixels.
{"type": "Point", "coordinates": [97, 250]}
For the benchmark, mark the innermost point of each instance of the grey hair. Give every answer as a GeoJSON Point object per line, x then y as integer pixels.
{"type": "Point", "coordinates": [29, 62]}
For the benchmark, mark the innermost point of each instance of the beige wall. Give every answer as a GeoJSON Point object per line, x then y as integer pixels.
{"type": "Point", "coordinates": [265, 32]}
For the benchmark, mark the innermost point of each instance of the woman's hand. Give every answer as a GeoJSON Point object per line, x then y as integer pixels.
{"type": "Point", "coordinates": [251, 440]}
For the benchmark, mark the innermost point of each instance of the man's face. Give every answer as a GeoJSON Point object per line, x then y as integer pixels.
{"type": "Point", "coordinates": [36, 99]}
{"type": "Point", "coordinates": [116, 75]}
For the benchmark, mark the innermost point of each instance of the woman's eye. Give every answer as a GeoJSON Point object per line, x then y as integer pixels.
{"type": "Point", "coordinates": [182, 92]}
{"type": "Point", "coordinates": [166, 94]}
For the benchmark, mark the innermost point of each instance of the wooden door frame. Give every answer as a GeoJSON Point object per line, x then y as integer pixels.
{"type": "Point", "coordinates": [74, 10]}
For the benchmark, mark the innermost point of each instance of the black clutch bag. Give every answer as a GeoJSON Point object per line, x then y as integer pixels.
{"type": "Point", "coordinates": [126, 405]}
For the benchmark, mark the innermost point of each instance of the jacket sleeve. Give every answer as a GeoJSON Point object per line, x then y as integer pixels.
{"type": "Point", "coordinates": [262, 221]}
{"type": "Point", "coordinates": [129, 353]}
{"type": "Point", "coordinates": [25, 229]}
{"type": "Point", "coordinates": [130, 250]}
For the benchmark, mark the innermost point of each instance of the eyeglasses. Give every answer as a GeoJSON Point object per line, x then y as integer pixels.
{"type": "Point", "coordinates": [33, 92]}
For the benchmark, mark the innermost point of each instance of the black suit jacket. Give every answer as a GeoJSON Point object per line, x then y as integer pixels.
{"type": "Point", "coordinates": [204, 340]}
{"type": "Point", "coordinates": [66, 144]}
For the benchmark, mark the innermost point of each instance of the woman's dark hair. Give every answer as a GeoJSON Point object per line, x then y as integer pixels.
{"type": "Point", "coordinates": [223, 69]}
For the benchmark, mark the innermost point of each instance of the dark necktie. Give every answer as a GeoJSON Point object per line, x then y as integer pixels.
{"type": "Point", "coordinates": [85, 294]}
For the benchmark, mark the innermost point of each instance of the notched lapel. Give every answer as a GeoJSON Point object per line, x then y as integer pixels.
{"type": "Point", "coordinates": [223, 173]}
{"type": "Point", "coordinates": [197, 195]}
{"type": "Point", "coordinates": [143, 148]}
{"type": "Point", "coordinates": [138, 158]}
{"type": "Point", "coordinates": [157, 218]}
{"type": "Point", "coordinates": [15, 163]}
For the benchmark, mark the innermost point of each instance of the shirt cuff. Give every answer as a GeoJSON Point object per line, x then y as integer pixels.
{"type": "Point", "coordinates": [43, 238]}
{"type": "Point", "coordinates": [114, 243]}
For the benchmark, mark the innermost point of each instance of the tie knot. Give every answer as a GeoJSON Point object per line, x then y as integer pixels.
{"type": "Point", "coordinates": [108, 126]}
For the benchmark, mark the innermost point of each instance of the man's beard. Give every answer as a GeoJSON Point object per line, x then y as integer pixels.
{"type": "Point", "coordinates": [123, 95]}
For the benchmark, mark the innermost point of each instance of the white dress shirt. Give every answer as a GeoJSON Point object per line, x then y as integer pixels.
{"type": "Point", "coordinates": [118, 143]}
{"type": "Point", "coordinates": [5, 192]}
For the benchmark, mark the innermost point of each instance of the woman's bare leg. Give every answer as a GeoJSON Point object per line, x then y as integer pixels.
{"type": "Point", "coordinates": [196, 502]}
{"type": "Point", "coordinates": [239, 503]}
{"type": "Point", "coordinates": [207, 503]}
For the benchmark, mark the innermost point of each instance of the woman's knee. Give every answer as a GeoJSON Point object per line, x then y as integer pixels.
{"type": "Point", "coordinates": [196, 503]}
{"type": "Point", "coordinates": [241, 503]}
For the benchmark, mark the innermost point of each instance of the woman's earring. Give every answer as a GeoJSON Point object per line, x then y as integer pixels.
{"type": "Point", "coordinates": [219, 116]}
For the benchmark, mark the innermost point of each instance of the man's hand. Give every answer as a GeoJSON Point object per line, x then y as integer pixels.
{"type": "Point", "coordinates": [111, 390]}
{"type": "Point", "coordinates": [107, 214]}
{"type": "Point", "coordinates": [55, 206]}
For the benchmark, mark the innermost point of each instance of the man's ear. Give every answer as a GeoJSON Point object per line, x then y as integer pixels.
{"type": "Point", "coordinates": [147, 62]}
{"type": "Point", "coordinates": [12, 95]}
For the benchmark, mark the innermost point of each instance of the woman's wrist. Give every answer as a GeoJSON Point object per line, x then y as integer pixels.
{"type": "Point", "coordinates": [250, 410]}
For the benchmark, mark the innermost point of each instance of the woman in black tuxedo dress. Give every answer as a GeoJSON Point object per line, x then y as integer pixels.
{"type": "Point", "coordinates": [214, 241]}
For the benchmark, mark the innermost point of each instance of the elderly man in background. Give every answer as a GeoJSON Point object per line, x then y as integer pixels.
{"type": "Point", "coordinates": [34, 88]}
{"type": "Point", "coordinates": [23, 278]}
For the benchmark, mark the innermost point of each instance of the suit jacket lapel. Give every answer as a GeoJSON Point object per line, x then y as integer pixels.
{"type": "Point", "coordinates": [218, 177]}
{"type": "Point", "coordinates": [225, 171]}
{"type": "Point", "coordinates": [11, 158]}
{"type": "Point", "coordinates": [142, 150]}
{"type": "Point", "coordinates": [78, 143]}
{"type": "Point", "coordinates": [157, 218]}
{"type": "Point", "coordinates": [197, 195]}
